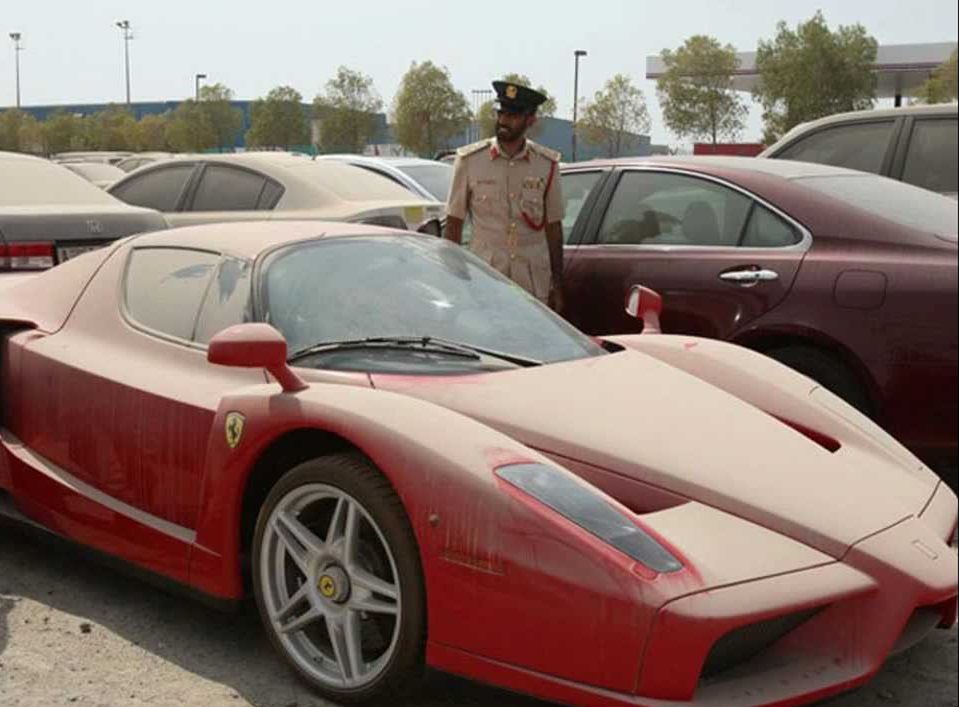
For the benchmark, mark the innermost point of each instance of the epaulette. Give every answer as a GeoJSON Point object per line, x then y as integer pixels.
{"type": "Point", "coordinates": [468, 150]}
{"type": "Point", "coordinates": [551, 155]}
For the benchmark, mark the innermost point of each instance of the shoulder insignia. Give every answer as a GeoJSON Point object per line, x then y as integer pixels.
{"type": "Point", "coordinates": [551, 155]}
{"type": "Point", "coordinates": [468, 150]}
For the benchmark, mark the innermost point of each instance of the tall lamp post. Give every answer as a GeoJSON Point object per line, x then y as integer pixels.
{"type": "Point", "coordinates": [576, 55]}
{"type": "Point", "coordinates": [196, 92]}
{"type": "Point", "coordinates": [480, 97]}
{"type": "Point", "coordinates": [124, 25]}
{"type": "Point", "coordinates": [15, 36]}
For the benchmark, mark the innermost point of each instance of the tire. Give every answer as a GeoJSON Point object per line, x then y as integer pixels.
{"type": "Point", "coordinates": [826, 370]}
{"type": "Point", "coordinates": [349, 605]}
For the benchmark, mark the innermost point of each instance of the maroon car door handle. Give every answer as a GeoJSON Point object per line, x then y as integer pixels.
{"type": "Point", "coordinates": [749, 277]}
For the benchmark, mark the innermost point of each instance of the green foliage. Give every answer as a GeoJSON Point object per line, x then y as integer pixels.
{"type": "Point", "coordinates": [428, 111]}
{"type": "Point", "coordinates": [696, 90]}
{"type": "Point", "coordinates": [813, 72]}
{"type": "Point", "coordinates": [616, 114]}
{"type": "Point", "coordinates": [111, 129]}
{"type": "Point", "coordinates": [225, 120]}
{"type": "Point", "coordinates": [16, 130]}
{"type": "Point", "coordinates": [941, 86]}
{"type": "Point", "coordinates": [278, 121]}
{"type": "Point", "coordinates": [190, 128]}
{"type": "Point", "coordinates": [151, 133]}
{"type": "Point", "coordinates": [61, 132]}
{"type": "Point", "coordinates": [487, 120]}
{"type": "Point", "coordinates": [347, 112]}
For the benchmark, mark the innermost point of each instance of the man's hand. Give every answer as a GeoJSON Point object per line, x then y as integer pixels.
{"type": "Point", "coordinates": [454, 229]}
{"type": "Point", "coordinates": [556, 301]}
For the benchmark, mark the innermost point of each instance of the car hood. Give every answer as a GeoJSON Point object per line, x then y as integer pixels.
{"type": "Point", "coordinates": [640, 418]}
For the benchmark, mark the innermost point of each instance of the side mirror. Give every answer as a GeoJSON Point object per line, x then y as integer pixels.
{"type": "Point", "coordinates": [254, 346]}
{"type": "Point", "coordinates": [646, 305]}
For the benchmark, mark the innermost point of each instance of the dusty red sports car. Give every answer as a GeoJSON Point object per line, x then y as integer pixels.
{"type": "Point", "coordinates": [848, 277]}
{"type": "Point", "coordinates": [409, 461]}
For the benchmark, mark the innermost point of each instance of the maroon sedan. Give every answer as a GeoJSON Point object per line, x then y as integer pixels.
{"type": "Point", "coordinates": [847, 277]}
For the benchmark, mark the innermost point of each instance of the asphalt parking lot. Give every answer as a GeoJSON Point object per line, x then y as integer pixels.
{"type": "Point", "coordinates": [73, 632]}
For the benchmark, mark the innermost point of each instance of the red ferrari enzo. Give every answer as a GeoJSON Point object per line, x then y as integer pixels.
{"type": "Point", "coordinates": [408, 461]}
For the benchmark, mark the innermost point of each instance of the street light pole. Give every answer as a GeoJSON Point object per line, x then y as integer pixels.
{"type": "Point", "coordinates": [197, 91]}
{"type": "Point", "coordinates": [15, 36]}
{"type": "Point", "coordinates": [480, 97]}
{"type": "Point", "coordinates": [576, 55]}
{"type": "Point", "coordinates": [124, 25]}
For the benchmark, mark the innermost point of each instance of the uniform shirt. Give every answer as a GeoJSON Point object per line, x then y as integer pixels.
{"type": "Point", "coordinates": [496, 191]}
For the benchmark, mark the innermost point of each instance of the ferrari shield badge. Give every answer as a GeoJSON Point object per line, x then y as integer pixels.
{"type": "Point", "coordinates": [234, 428]}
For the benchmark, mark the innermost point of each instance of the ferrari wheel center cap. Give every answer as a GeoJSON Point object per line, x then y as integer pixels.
{"type": "Point", "coordinates": [334, 584]}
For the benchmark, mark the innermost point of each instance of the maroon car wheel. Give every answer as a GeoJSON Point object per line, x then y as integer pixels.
{"type": "Point", "coordinates": [338, 582]}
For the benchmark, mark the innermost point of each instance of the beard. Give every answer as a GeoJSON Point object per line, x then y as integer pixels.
{"type": "Point", "coordinates": [506, 134]}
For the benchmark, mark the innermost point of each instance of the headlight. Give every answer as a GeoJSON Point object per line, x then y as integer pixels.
{"type": "Point", "coordinates": [590, 511]}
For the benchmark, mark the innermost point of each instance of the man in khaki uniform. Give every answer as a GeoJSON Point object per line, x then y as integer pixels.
{"type": "Point", "coordinates": [510, 187]}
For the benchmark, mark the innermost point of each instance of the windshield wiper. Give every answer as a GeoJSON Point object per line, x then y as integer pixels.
{"type": "Point", "coordinates": [429, 344]}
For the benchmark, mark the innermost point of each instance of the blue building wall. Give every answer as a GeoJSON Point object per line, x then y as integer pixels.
{"type": "Point", "coordinates": [554, 133]}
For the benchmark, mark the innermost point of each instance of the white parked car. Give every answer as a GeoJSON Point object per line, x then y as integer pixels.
{"type": "Point", "coordinates": [428, 178]}
{"type": "Point", "coordinates": [99, 174]}
{"type": "Point", "coordinates": [195, 189]}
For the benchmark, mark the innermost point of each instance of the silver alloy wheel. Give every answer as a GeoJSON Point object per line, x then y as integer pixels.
{"type": "Point", "coordinates": [330, 586]}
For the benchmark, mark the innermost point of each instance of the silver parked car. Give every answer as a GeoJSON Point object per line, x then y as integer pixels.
{"type": "Point", "coordinates": [195, 189]}
{"type": "Point", "coordinates": [914, 144]}
{"type": "Point", "coordinates": [48, 214]}
{"type": "Point", "coordinates": [428, 178]}
{"type": "Point", "coordinates": [100, 174]}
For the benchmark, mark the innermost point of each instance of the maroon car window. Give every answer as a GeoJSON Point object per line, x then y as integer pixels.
{"type": "Point", "coordinates": [158, 189]}
{"type": "Point", "coordinates": [662, 208]}
{"type": "Point", "coordinates": [860, 146]}
{"type": "Point", "coordinates": [767, 230]}
{"type": "Point", "coordinates": [228, 189]}
{"type": "Point", "coordinates": [227, 300]}
{"type": "Point", "coordinates": [163, 288]}
{"type": "Point", "coordinates": [933, 161]}
{"type": "Point", "coordinates": [576, 188]}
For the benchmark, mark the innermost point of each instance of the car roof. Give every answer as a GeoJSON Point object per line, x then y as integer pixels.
{"type": "Point", "coordinates": [247, 239]}
{"type": "Point", "coordinates": [708, 164]}
{"type": "Point", "coordinates": [391, 161]}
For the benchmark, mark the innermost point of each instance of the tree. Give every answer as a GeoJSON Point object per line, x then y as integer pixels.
{"type": "Point", "coordinates": [190, 128]}
{"type": "Point", "coordinates": [278, 120]}
{"type": "Point", "coordinates": [151, 133]}
{"type": "Point", "coordinates": [110, 129]}
{"type": "Point", "coordinates": [812, 72]}
{"type": "Point", "coordinates": [347, 112]}
{"type": "Point", "coordinates": [61, 131]}
{"type": "Point", "coordinates": [428, 111]}
{"type": "Point", "coordinates": [487, 120]}
{"type": "Point", "coordinates": [615, 116]}
{"type": "Point", "coordinates": [225, 120]}
{"type": "Point", "coordinates": [696, 90]}
{"type": "Point", "coordinates": [11, 121]}
{"type": "Point", "coordinates": [941, 86]}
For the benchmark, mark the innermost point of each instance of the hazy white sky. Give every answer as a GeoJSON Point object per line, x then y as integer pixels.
{"type": "Point", "coordinates": [73, 52]}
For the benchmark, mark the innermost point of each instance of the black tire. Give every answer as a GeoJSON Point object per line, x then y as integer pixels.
{"type": "Point", "coordinates": [828, 371]}
{"type": "Point", "coordinates": [355, 475]}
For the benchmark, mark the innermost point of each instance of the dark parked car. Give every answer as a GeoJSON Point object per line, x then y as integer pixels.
{"type": "Point", "coordinates": [916, 144]}
{"type": "Point", "coordinates": [48, 214]}
{"type": "Point", "coordinates": [847, 277]}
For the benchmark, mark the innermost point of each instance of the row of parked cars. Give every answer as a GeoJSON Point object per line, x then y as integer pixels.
{"type": "Point", "coordinates": [409, 461]}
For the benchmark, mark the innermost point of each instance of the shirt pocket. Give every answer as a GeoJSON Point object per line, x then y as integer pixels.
{"type": "Point", "coordinates": [531, 202]}
{"type": "Point", "coordinates": [485, 198]}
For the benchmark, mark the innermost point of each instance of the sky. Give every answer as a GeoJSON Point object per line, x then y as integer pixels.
{"type": "Point", "coordinates": [73, 52]}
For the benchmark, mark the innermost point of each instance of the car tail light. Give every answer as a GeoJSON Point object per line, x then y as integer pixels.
{"type": "Point", "coordinates": [588, 509]}
{"type": "Point", "coordinates": [26, 256]}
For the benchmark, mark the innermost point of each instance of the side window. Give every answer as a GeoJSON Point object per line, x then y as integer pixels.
{"type": "Point", "coordinates": [658, 208]}
{"type": "Point", "coordinates": [576, 189]}
{"type": "Point", "coordinates": [163, 288]}
{"type": "Point", "coordinates": [859, 146]}
{"type": "Point", "coordinates": [227, 300]}
{"type": "Point", "coordinates": [158, 189]}
{"type": "Point", "coordinates": [931, 161]}
{"type": "Point", "coordinates": [767, 230]}
{"type": "Point", "coordinates": [228, 189]}
{"type": "Point", "coordinates": [270, 195]}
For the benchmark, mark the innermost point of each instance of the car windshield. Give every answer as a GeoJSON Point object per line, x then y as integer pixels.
{"type": "Point", "coordinates": [894, 201]}
{"type": "Point", "coordinates": [435, 178]}
{"type": "Point", "coordinates": [34, 182]}
{"type": "Point", "coordinates": [354, 288]}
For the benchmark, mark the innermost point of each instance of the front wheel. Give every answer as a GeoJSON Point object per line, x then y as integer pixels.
{"type": "Point", "coordinates": [338, 581]}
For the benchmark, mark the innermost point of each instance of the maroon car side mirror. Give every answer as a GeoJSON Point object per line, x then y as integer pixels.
{"type": "Point", "coordinates": [255, 346]}
{"type": "Point", "coordinates": [646, 305]}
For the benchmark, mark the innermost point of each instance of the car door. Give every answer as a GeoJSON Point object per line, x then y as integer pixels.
{"type": "Point", "coordinates": [719, 257]}
{"type": "Point", "coordinates": [223, 192]}
{"type": "Point", "coordinates": [929, 155]}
